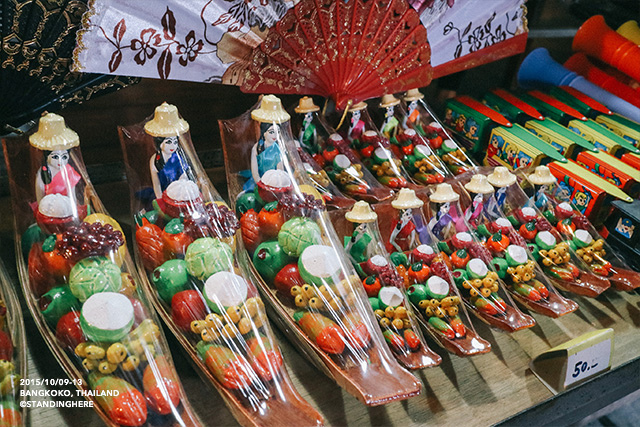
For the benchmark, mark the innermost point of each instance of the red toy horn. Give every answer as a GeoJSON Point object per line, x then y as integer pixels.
{"type": "Point", "coordinates": [596, 39]}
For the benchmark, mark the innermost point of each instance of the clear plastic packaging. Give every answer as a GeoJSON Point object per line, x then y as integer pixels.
{"type": "Point", "coordinates": [373, 149]}
{"type": "Point", "coordinates": [333, 153]}
{"type": "Point", "coordinates": [13, 356]}
{"type": "Point", "coordinates": [589, 245]}
{"type": "Point", "coordinates": [81, 285]}
{"type": "Point", "coordinates": [421, 118]}
{"type": "Point", "coordinates": [409, 146]}
{"type": "Point", "coordinates": [513, 262]}
{"type": "Point", "coordinates": [553, 252]}
{"type": "Point", "coordinates": [418, 268]}
{"type": "Point", "coordinates": [358, 228]}
{"type": "Point", "coordinates": [195, 268]}
{"type": "Point", "coordinates": [473, 272]}
{"type": "Point", "coordinates": [304, 273]}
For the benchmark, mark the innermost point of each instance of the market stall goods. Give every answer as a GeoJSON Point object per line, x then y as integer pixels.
{"type": "Point", "coordinates": [473, 272]}
{"type": "Point", "coordinates": [558, 259]}
{"type": "Point", "coordinates": [302, 269]}
{"type": "Point", "coordinates": [192, 263]}
{"type": "Point", "coordinates": [583, 238]}
{"type": "Point", "coordinates": [81, 287]}
{"type": "Point", "coordinates": [515, 265]}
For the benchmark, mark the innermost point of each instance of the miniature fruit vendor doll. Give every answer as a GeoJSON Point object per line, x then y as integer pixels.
{"type": "Point", "coordinates": [409, 229]}
{"type": "Point", "coordinates": [265, 154]}
{"type": "Point", "coordinates": [442, 220]}
{"type": "Point", "coordinates": [56, 176]}
{"type": "Point", "coordinates": [541, 179]}
{"type": "Point", "coordinates": [308, 137]}
{"type": "Point", "coordinates": [356, 127]}
{"type": "Point", "coordinates": [389, 127]}
{"type": "Point", "coordinates": [358, 245]}
{"type": "Point", "coordinates": [169, 163]}
{"type": "Point", "coordinates": [501, 179]}
{"type": "Point", "coordinates": [480, 191]}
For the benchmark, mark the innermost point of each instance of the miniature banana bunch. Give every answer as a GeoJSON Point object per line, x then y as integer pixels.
{"type": "Point", "coordinates": [425, 165]}
{"type": "Point", "coordinates": [385, 168]}
{"type": "Point", "coordinates": [447, 306]}
{"type": "Point", "coordinates": [322, 298]}
{"type": "Point", "coordinates": [454, 156]}
{"type": "Point", "coordinates": [522, 273]}
{"type": "Point", "coordinates": [236, 321]}
{"type": "Point", "coordinates": [396, 317]}
{"type": "Point", "coordinates": [482, 287]}
{"type": "Point", "coordinates": [8, 379]}
{"type": "Point", "coordinates": [320, 178]}
{"type": "Point", "coordinates": [594, 251]}
{"type": "Point", "coordinates": [348, 175]}
{"type": "Point", "coordinates": [106, 358]}
{"type": "Point", "coordinates": [556, 256]}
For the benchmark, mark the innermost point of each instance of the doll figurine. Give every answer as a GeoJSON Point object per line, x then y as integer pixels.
{"type": "Point", "coordinates": [169, 163]}
{"type": "Point", "coordinates": [389, 127]}
{"type": "Point", "coordinates": [356, 128]}
{"type": "Point", "coordinates": [56, 176]}
{"type": "Point", "coordinates": [308, 137]}
{"type": "Point", "coordinates": [409, 230]}
{"type": "Point", "coordinates": [265, 154]}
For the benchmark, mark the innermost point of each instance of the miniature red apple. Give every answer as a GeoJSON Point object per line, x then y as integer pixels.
{"type": "Point", "coordinates": [187, 306]}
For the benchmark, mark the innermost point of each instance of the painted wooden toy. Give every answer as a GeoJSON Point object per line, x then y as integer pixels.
{"type": "Point", "coordinates": [517, 267]}
{"type": "Point", "coordinates": [81, 288]}
{"type": "Point", "coordinates": [200, 284]}
{"type": "Point", "coordinates": [304, 274]}
{"type": "Point", "coordinates": [588, 244]}
{"type": "Point", "coordinates": [553, 252]}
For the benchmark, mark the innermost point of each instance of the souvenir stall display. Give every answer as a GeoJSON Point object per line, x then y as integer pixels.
{"type": "Point", "coordinates": [81, 287]}
{"type": "Point", "coordinates": [515, 265]}
{"type": "Point", "coordinates": [385, 288]}
{"type": "Point", "coordinates": [13, 355]}
{"type": "Point", "coordinates": [423, 120]}
{"type": "Point", "coordinates": [588, 244]}
{"type": "Point", "coordinates": [330, 151]}
{"type": "Point", "coordinates": [409, 146]}
{"type": "Point", "coordinates": [195, 269]}
{"type": "Point", "coordinates": [304, 274]}
{"type": "Point", "coordinates": [562, 266]}
{"type": "Point", "coordinates": [480, 285]}
{"type": "Point", "coordinates": [424, 275]}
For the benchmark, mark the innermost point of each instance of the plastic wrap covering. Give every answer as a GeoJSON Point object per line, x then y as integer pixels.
{"type": "Point", "coordinates": [513, 262]}
{"type": "Point", "coordinates": [13, 361]}
{"type": "Point", "coordinates": [473, 272]}
{"type": "Point", "coordinates": [556, 256]}
{"type": "Point", "coordinates": [197, 274]}
{"type": "Point", "coordinates": [82, 288]}
{"type": "Point", "coordinates": [374, 149]}
{"type": "Point", "coordinates": [589, 245]}
{"type": "Point", "coordinates": [303, 270]}
{"type": "Point", "coordinates": [333, 153]}
{"type": "Point", "coordinates": [409, 146]}
{"type": "Point", "coordinates": [386, 290]}
{"type": "Point", "coordinates": [449, 327]}
{"type": "Point", "coordinates": [421, 118]}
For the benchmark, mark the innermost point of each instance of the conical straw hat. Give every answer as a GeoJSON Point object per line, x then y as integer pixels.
{"type": "Point", "coordinates": [306, 105]}
{"type": "Point", "coordinates": [166, 122]}
{"type": "Point", "coordinates": [389, 100]}
{"type": "Point", "coordinates": [413, 95]}
{"type": "Point", "coordinates": [359, 106]}
{"type": "Point", "coordinates": [479, 185]}
{"type": "Point", "coordinates": [407, 199]}
{"type": "Point", "coordinates": [361, 213]}
{"type": "Point", "coordinates": [542, 176]}
{"type": "Point", "coordinates": [444, 193]}
{"type": "Point", "coordinates": [501, 177]}
{"type": "Point", "coordinates": [270, 111]}
{"type": "Point", "coordinates": [53, 134]}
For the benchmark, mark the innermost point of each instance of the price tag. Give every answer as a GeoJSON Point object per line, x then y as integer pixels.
{"type": "Point", "coordinates": [575, 361]}
{"type": "Point", "coordinates": [588, 362]}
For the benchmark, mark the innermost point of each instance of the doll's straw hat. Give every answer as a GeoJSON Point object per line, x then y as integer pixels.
{"type": "Point", "coordinates": [542, 176]}
{"type": "Point", "coordinates": [270, 111]}
{"type": "Point", "coordinates": [166, 122]}
{"type": "Point", "coordinates": [444, 194]}
{"type": "Point", "coordinates": [53, 134]}
{"type": "Point", "coordinates": [306, 105]}
{"type": "Point", "coordinates": [407, 199]}
{"type": "Point", "coordinates": [361, 213]}
{"type": "Point", "coordinates": [389, 100]}
{"type": "Point", "coordinates": [413, 95]}
{"type": "Point", "coordinates": [501, 177]}
{"type": "Point", "coordinates": [359, 106]}
{"type": "Point", "coordinates": [479, 185]}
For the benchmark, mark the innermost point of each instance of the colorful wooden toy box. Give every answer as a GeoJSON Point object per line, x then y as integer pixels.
{"type": "Point", "coordinates": [515, 148]}
{"type": "Point", "coordinates": [612, 169]}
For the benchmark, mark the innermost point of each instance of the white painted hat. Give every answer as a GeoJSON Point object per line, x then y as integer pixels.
{"type": "Point", "coordinates": [479, 185]}
{"type": "Point", "coordinates": [444, 193]}
{"type": "Point", "coordinates": [361, 213]}
{"type": "Point", "coordinates": [53, 134]}
{"type": "Point", "coordinates": [542, 176]}
{"type": "Point", "coordinates": [166, 122]}
{"type": "Point", "coordinates": [501, 177]}
{"type": "Point", "coordinates": [407, 199]}
{"type": "Point", "coordinates": [270, 111]}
